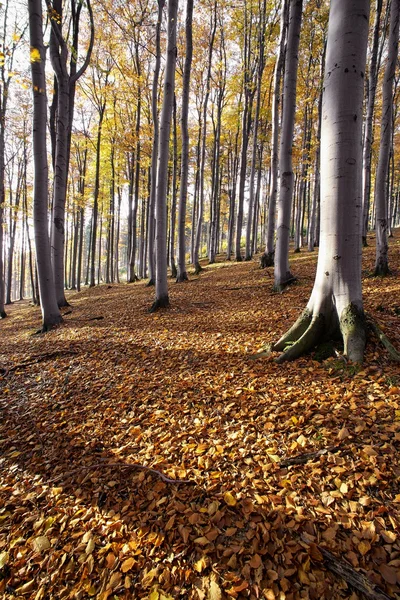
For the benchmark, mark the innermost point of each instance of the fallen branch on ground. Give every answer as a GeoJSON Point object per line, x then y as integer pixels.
{"type": "Point", "coordinates": [34, 360]}
{"type": "Point", "coordinates": [122, 466]}
{"type": "Point", "coordinates": [355, 579]}
{"type": "Point", "coordinates": [302, 459]}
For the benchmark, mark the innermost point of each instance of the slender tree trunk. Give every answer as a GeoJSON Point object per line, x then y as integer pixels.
{"type": "Point", "coordinates": [182, 273]}
{"type": "Point", "coordinates": [162, 299]}
{"type": "Point", "coordinates": [154, 151]}
{"type": "Point", "coordinates": [381, 188]}
{"type": "Point", "coordinates": [336, 300]}
{"type": "Point", "coordinates": [267, 259]}
{"type": "Point", "coordinates": [51, 315]}
{"type": "Point", "coordinates": [199, 228]}
{"type": "Point", "coordinates": [173, 196]}
{"type": "Point", "coordinates": [96, 198]}
{"type": "Point", "coordinates": [282, 273]}
{"type": "Point", "coordinates": [369, 121]}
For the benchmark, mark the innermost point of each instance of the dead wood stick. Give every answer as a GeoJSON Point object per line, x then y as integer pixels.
{"type": "Point", "coordinates": [357, 580]}
{"type": "Point", "coordinates": [133, 466]}
{"type": "Point", "coordinates": [302, 459]}
{"type": "Point", "coordinates": [394, 354]}
{"type": "Point", "coordinates": [35, 359]}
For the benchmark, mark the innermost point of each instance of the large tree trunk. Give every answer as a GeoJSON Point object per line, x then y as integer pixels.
{"type": "Point", "coordinates": [282, 273]}
{"type": "Point", "coordinates": [182, 273]}
{"type": "Point", "coordinates": [48, 302]}
{"type": "Point", "coordinates": [162, 299]}
{"type": "Point", "coordinates": [381, 187]}
{"type": "Point", "coordinates": [336, 300]}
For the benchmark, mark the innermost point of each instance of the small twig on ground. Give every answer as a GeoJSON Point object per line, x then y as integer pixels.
{"type": "Point", "coordinates": [302, 459]}
{"type": "Point", "coordinates": [122, 466]}
{"type": "Point", "coordinates": [394, 354]}
{"type": "Point", "coordinates": [100, 318]}
{"type": "Point", "coordinates": [355, 579]}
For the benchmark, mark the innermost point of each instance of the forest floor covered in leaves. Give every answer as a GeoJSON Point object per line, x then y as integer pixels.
{"type": "Point", "coordinates": [86, 407]}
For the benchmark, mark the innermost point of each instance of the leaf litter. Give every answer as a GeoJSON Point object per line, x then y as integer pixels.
{"type": "Point", "coordinates": [278, 466]}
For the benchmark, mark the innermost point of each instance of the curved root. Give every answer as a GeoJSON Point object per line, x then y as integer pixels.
{"type": "Point", "coordinates": [295, 332]}
{"type": "Point", "coordinates": [394, 354]}
{"type": "Point", "coordinates": [305, 341]}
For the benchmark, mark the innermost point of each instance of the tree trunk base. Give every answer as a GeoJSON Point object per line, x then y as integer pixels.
{"type": "Point", "coordinates": [248, 257]}
{"type": "Point", "coordinates": [239, 258]}
{"type": "Point", "coordinates": [279, 287]}
{"type": "Point", "coordinates": [133, 279]}
{"type": "Point", "coordinates": [267, 260]}
{"type": "Point", "coordinates": [63, 303]}
{"type": "Point", "coordinates": [50, 324]}
{"type": "Point", "coordinates": [182, 277]}
{"type": "Point", "coordinates": [174, 271]}
{"type": "Point", "coordinates": [311, 328]}
{"type": "Point", "coordinates": [3, 314]}
{"type": "Point", "coordinates": [198, 268]}
{"type": "Point", "coordinates": [162, 302]}
{"type": "Point", "coordinates": [382, 270]}
{"type": "Point", "coordinates": [150, 283]}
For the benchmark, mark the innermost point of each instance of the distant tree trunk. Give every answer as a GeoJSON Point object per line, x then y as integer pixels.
{"type": "Point", "coordinates": [154, 151]}
{"type": "Point", "coordinates": [182, 273]}
{"type": "Point", "coordinates": [267, 259]}
{"type": "Point", "coordinates": [173, 196]}
{"type": "Point", "coordinates": [381, 187]}
{"type": "Point", "coordinates": [96, 194]}
{"type": "Point", "coordinates": [369, 121]}
{"type": "Point", "coordinates": [282, 273]}
{"type": "Point", "coordinates": [233, 170]}
{"type": "Point", "coordinates": [162, 299]}
{"type": "Point", "coordinates": [51, 315]}
{"type": "Point", "coordinates": [199, 227]}
{"type": "Point", "coordinates": [260, 71]}
{"type": "Point", "coordinates": [132, 277]}
{"type": "Point", "coordinates": [335, 305]}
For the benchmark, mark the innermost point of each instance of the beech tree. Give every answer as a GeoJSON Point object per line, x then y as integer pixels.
{"type": "Point", "coordinates": [48, 302]}
{"type": "Point", "coordinates": [283, 276]}
{"type": "Point", "coordinates": [335, 303]}
{"type": "Point", "coordinates": [162, 299]}
{"type": "Point", "coordinates": [381, 187]}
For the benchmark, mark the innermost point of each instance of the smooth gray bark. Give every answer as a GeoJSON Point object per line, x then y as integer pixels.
{"type": "Point", "coordinates": [154, 151]}
{"type": "Point", "coordinates": [51, 315]}
{"type": "Point", "coordinates": [182, 273]}
{"type": "Point", "coordinates": [162, 299]}
{"type": "Point", "coordinates": [381, 187]}
{"type": "Point", "coordinates": [335, 304]}
{"type": "Point", "coordinates": [369, 121]}
{"type": "Point", "coordinates": [282, 274]}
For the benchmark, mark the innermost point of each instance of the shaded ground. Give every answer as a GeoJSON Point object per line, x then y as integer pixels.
{"type": "Point", "coordinates": [178, 391]}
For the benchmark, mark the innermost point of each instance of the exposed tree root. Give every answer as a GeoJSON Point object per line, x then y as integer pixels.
{"type": "Point", "coordinates": [182, 277]}
{"type": "Point", "coordinates": [394, 354]}
{"type": "Point", "coordinates": [311, 327]}
{"type": "Point", "coordinates": [280, 287]}
{"type": "Point", "coordinates": [162, 302]}
{"type": "Point", "coordinates": [63, 303]}
{"type": "Point", "coordinates": [132, 467]}
{"type": "Point", "coordinates": [150, 283]}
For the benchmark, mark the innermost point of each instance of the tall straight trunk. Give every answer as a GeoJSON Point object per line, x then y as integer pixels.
{"type": "Point", "coordinates": [132, 277]}
{"type": "Point", "coordinates": [267, 259]}
{"type": "Point", "coordinates": [117, 233]}
{"type": "Point", "coordinates": [282, 273]}
{"type": "Point", "coordinates": [22, 265]}
{"type": "Point", "coordinates": [181, 262]}
{"type": "Point", "coordinates": [381, 187]}
{"type": "Point", "coordinates": [173, 196]}
{"type": "Point", "coordinates": [51, 315]}
{"type": "Point", "coordinates": [12, 228]}
{"type": "Point", "coordinates": [335, 305]}
{"type": "Point", "coordinates": [369, 121]}
{"type": "Point", "coordinates": [260, 71]}
{"type": "Point", "coordinates": [154, 151]}
{"type": "Point", "coordinates": [199, 226]}
{"type": "Point", "coordinates": [233, 168]}
{"type": "Point", "coordinates": [162, 299]}
{"type": "Point", "coordinates": [96, 197]}
{"type": "Point", "coordinates": [312, 227]}
{"type": "Point", "coordinates": [3, 313]}
{"type": "Point", "coordinates": [216, 180]}
{"type": "Point", "coordinates": [195, 209]}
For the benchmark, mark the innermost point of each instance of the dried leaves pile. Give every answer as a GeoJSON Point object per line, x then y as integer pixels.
{"type": "Point", "coordinates": [85, 407]}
